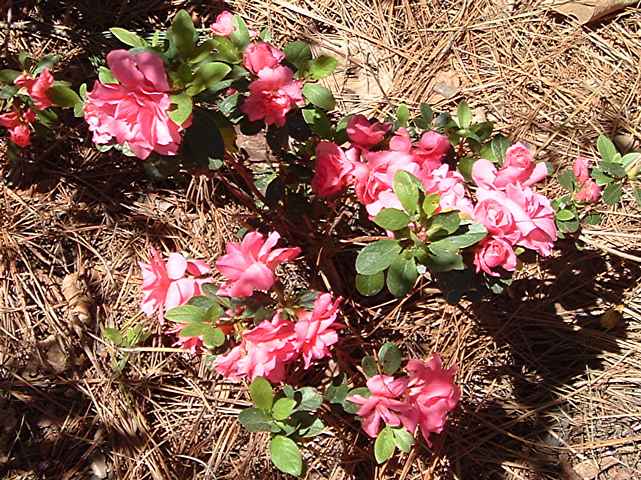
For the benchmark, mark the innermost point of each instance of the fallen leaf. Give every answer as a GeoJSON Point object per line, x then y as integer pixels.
{"type": "Point", "coordinates": [612, 318]}
{"type": "Point", "coordinates": [54, 354]}
{"type": "Point", "coordinates": [74, 289]}
{"type": "Point", "coordinates": [446, 86]}
{"type": "Point", "coordinates": [586, 11]}
{"type": "Point", "coordinates": [99, 466]}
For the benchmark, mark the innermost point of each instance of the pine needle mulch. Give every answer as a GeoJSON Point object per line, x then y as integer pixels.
{"type": "Point", "coordinates": [550, 370]}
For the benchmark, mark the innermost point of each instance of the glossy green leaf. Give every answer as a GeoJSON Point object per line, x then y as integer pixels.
{"type": "Point", "coordinates": [606, 148]}
{"type": "Point", "coordinates": [208, 76]}
{"type": "Point", "coordinates": [406, 189]}
{"type": "Point", "coordinates": [8, 76]}
{"type": "Point", "coordinates": [186, 314]}
{"type": "Point", "coordinates": [184, 106]}
{"type": "Point", "coordinates": [377, 256]}
{"type": "Point", "coordinates": [403, 115]}
{"type": "Point", "coordinates": [286, 456]}
{"type": "Point", "coordinates": [499, 146]}
{"type": "Point", "coordinates": [431, 203]}
{"type": "Point", "coordinates": [298, 54]}
{"type": "Point", "coordinates": [384, 445]}
{"type": "Point", "coordinates": [404, 440]}
{"type": "Point", "coordinates": [390, 357]}
{"type": "Point", "coordinates": [105, 76]}
{"type": "Point", "coordinates": [316, 428]}
{"type": "Point", "coordinates": [444, 222]}
{"type": "Point", "coordinates": [612, 194]}
{"type": "Point", "coordinates": [369, 365]}
{"type": "Point", "coordinates": [322, 67]}
{"type": "Point", "coordinates": [370, 285]}
{"type": "Point", "coordinates": [401, 276]}
{"type": "Point", "coordinates": [261, 393]}
{"type": "Point", "coordinates": [427, 114]}
{"type": "Point", "coordinates": [193, 330]}
{"type": "Point", "coordinates": [464, 115]}
{"type": "Point", "coordinates": [255, 420]}
{"type": "Point", "coordinates": [63, 96]}
{"type": "Point", "coordinates": [213, 337]}
{"type": "Point", "coordinates": [182, 33]}
{"type": "Point", "coordinates": [240, 37]}
{"type": "Point", "coordinates": [310, 401]}
{"type": "Point", "coordinates": [128, 38]}
{"type": "Point", "coordinates": [320, 96]}
{"type": "Point", "coordinates": [600, 178]}
{"type": "Point", "coordinates": [48, 61]}
{"type": "Point", "coordinates": [283, 408]}
{"type": "Point", "coordinates": [392, 219]}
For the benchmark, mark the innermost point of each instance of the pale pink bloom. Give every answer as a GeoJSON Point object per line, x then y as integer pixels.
{"type": "Point", "coordinates": [494, 213]}
{"type": "Point", "coordinates": [365, 134]}
{"type": "Point", "coordinates": [261, 55]}
{"type": "Point", "coordinates": [519, 167]}
{"type": "Point", "coordinates": [134, 111]}
{"type": "Point", "coordinates": [401, 141]}
{"type": "Point", "coordinates": [450, 185]}
{"type": "Point", "coordinates": [168, 284]}
{"type": "Point", "coordinates": [590, 192]}
{"type": "Point", "coordinates": [316, 331]}
{"type": "Point", "coordinates": [264, 351]}
{"type": "Point", "coordinates": [386, 403]}
{"type": "Point", "coordinates": [494, 253]}
{"type": "Point", "coordinates": [433, 393]}
{"type": "Point", "coordinates": [224, 24]}
{"type": "Point", "coordinates": [430, 150]}
{"type": "Point", "coordinates": [250, 265]}
{"type": "Point", "coordinates": [332, 171]}
{"type": "Point", "coordinates": [581, 169]}
{"type": "Point", "coordinates": [37, 87]}
{"type": "Point", "coordinates": [272, 96]}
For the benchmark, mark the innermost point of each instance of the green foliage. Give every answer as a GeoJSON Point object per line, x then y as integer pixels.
{"type": "Point", "coordinates": [199, 316]}
{"type": "Point", "coordinates": [182, 34]}
{"type": "Point", "coordinates": [298, 54]}
{"type": "Point", "coordinates": [262, 393]}
{"type": "Point", "coordinates": [63, 96]}
{"type": "Point", "coordinates": [390, 357]}
{"type": "Point", "coordinates": [377, 256]}
{"type": "Point", "coordinates": [384, 445]}
{"type": "Point", "coordinates": [322, 66]}
{"type": "Point", "coordinates": [319, 96]}
{"type": "Point", "coordinates": [370, 285]}
{"type": "Point", "coordinates": [208, 76]}
{"type": "Point", "coordinates": [392, 219]}
{"type": "Point", "coordinates": [128, 38]}
{"type": "Point", "coordinates": [405, 186]}
{"type": "Point", "coordinates": [286, 455]}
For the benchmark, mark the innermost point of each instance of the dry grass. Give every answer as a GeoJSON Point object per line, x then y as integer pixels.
{"type": "Point", "coordinates": [548, 391]}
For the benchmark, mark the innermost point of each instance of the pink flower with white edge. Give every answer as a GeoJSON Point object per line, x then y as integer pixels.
{"type": "Point", "coordinates": [224, 24]}
{"type": "Point", "coordinates": [430, 150]}
{"type": "Point", "coordinates": [492, 254]}
{"type": "Point", "coordinates": [168, 284]}
{"type": "Point", "coordinates": [450, 185]}
{"type": "Point", "coordinates": [272, 96]}
{"type": "Point", "coordinates": [365, 134]}
{"type": "Point", "coordinates": [264, 351]}
{"type": "Point", "coordinates": [250, 265]}
{"type": "Point", "coordinates": [37, 87]}
{"type": "Point", "coordinates": [519, 167]}
{"type": "Point", "coordinates": [135, 110]}
{"type": "Point", "coordinates": [581, 169]}
{"type": "Point", "coordinates": [333, 169]}
{"type": "Point", "coordinates": [386, 403]}
{"type": "Point", "coordinates": [433, 393]}
{"type": "Point", "coordinates": [589, 192]}
{"type": "Point", "coordinates": [261, 55]}
{"type": "Point", "coordinates": [316, 331]}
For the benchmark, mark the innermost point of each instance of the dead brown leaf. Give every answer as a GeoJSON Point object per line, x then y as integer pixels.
{"type": "Point", "coordinates": [446, 85]}
{"type": "Point", "coordinates": [74, 289]}
{"type": "Point", "coordinates": [586, 11]}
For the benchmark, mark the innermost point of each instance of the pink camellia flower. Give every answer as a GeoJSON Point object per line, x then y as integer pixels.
{"type": "Point", "coordinates": [494, 213]}
{"type": "Point", "coordinates": [450, 185]}
{"type": "Point", "coordinates": [589, 192]}
{"type": "Point", "coordinates": [264, 351]}
{"type": "Point", "coordinates": [519, 167]}
{"type": "Point", "coordinates": [37, 87]}
{"type": "Point", "coordinates": [167, 284]}
{"type": "Point", "coordinates": [333, 169]}
{"type": "Point", "coordinates": [316, 330]}
{"type": "Point", "coordinates": [433, 393]}
{"type": "Point", "coordinates": [581, 169]}
{"type": "Point", "coordinates": [261, 55]}
{"type": "Point", "coordinates": [272, 95]}
{"type": "Point", "coordinates": [493, 253]}
{"type": "Point", "coordinates": [365, 134]}
{"type": "Point", "coordinates": [250, 265]}
{"type": "Point", "coordinates": [430, 150]}
{"type": "Point", "coordinates": [385, 403]}
{"type": "Point", "coordinates": [134, 111]}
{"type": "Point", "coordinates": [224, 24]}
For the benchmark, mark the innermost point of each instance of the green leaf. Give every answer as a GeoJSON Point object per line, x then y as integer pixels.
{"type": "Point", "coordinates": [464, 115]}
{"type": "Point", "coordinates": [431, 203]}
{"type": "Point", "coordinates": [465, 165]}
{"type": "Point", "coordinates": [600, 178]}
{"type": "Point", "coordinates": [444, 257]}
{"type": "Point", "coordinates": [613, 169]}
{"type": "Point", "coordinates": [475, 234]}
{"type": "Point", "coordinates": [314, 429]}
{"type": "Point", "coordinates": [593, 219]}
{"type": "Point", "coordinates": [499, 146]}
{"type": "Point", "coordinates": [392, 219]}
{"type": "Point", "coordinates": [606, 148]}
{"type": "Point", "coordinates": [207, 76]}
{"type": "Point", "coordinates": [320, 96]}
{"type": "Point", "coordinates": [182, 33]}
{"type": "Point", "coordinates": [128, 38]}
{"type": "Point", "coordinates": [377, 256]}
{"type": "Point", "coordinates": [404, 439]}
{"type": "Point", "coordinates": [201, 301]}
{"type": "Point", "coordinates": [202, 51]}
{"type": "Point", "coordinates": [184, 106]}
{"type": "Point", "coordinates": [406, 189]}
{"type": "Point", "coordinates": [318, 122]}
{"type": "Point", "coordinates": [298, 54]}
{"type": "Point", "coordinates": [612, 194]}
{"type": "Point", "coordinates": [322, 67]}
{"type": "Point", "coordinates": [105, 76]}
{"type": "Point", "coordinates": [113, 335]}
{"type": "Point", "coordinates": [403, 115]}
{"type": "Point", "coordinates": [336, 393]}
{"type": "Point", "coordinates": [369, 366]}
{"type": "Point", "coordinates": [401, 276]}
{"type": "Point", "coordinates": [214, 312]}
{"type": "Point", "coordinates": [351, 407]}
{"type": "Point", "coordinates": [286, 455]}
{"type": "Point", "coordinates": [570, 226]}
{"type": "Point", "coordinates": [637, 196]}
{"type": "Point", "coordinates": [193, 330]}
{"type": "Point", "coordinates": [262, 394]}
{"type": "Point", "coordinates": [48, 117]}
{"type": "Point", "coordinates": [311, 400]}
{"type": "Point", "coordinates": [390, 358]}
{"type": "Point", "coordinates": [447, 222]}
{"type": "Point", "coordinates": [227, 51]}
{"type": "Point", "coordinates": [565, 215]}
{"type": "Point", "coordinates": [384, 445]}
{"type": "Point", "coordinates": [567, 180]}
{"type": "Point", "coordinates": [63, 96]}
{"type": "Point", "coordinates": [427, 114]}
{"type": "Point", "coordinates": [213, 337]}
{"type": "Point", "coordinates": [8, 76]}
{"type": "Point", "coordinates": [47, 61]}
{"type": "Point", "coordinates": [370, 285]}
{"type": "Point", "coordinates": [283, 408]}
{"type": "Point", "coordinates": [240, 36]}
{"type": "Point", "coordinates": [255, 420]}
{"type": "Point", "coordinates": [186, 314]}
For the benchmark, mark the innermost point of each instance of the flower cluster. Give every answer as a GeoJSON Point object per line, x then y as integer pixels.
{"type": "Point", "coordinates": [422, 399]}
{"type": "Point", "coordinates": [588, 190]}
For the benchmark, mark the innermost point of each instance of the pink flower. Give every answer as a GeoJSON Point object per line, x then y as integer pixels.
{"type": "Point", "coordinates": [430, 150]}
{"type": "Point", "coordinates": [316, 330]}
{"type": "Point", "coordinates": [519, 167]}
{"type": "Point", "coordinates": [581, 169]}
{"type": "Point", "coordinates": [166, 285]}
{"type": "Point", "coordinates": [433, 393]}
{"type": "Point", "coordinates": [494, 213]}
{"type": "Point", "coordinates": [385, 403]}
{"type": "Point", "coordinates": [493, 253]}
{"type": "Point", "coordinates": [364, 134]}
{"type": "Point", "coordinates": [134, 111]}
{"type": "Point", "coordinates": [272, 95]}
{"type": "Point", "coordinates": [37, 87]}
{"type": "Point", "coordinates": [261, 55]}
{"type": "Point", "coordinates": [264, 351]}
{"type": "Point", "coordinates": [20, 135]}
{"type": "Point", "coordinates": [333, 169]}
{"type": "Point", "coordinates": [18, 125]}
{"type": "Point", "coordinates": [250, 265]}
{"type": "Point", "coordinates": [10, 119]}
{"type": "Point", "coordinates": [590, 192]}
{"type": "Point", "coordinates": [401, 141]}
{"type": "Point", "coordinates": [450, 185]}
{"type": "Point", "coordinates": [224, 24]}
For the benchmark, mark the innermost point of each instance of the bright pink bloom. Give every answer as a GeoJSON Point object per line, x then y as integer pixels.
{"type": "Point", "coordinates": [519, 167]}
{"type": "Point", "coordinates": [366, 134]}
{"type": "Point", "coordinates": [493, 253]}
{"type": "Point", "coordinates": [264, 351]}
{"type": "Point", "coordinates": [224, 24]}
{"type": "Point", "coordinates": [385, 403]}
{"type": "Point", "coordinates": [272, 96]}
{"type": "Point", "coordinates": [167, 284]}
{"type": "Point", "coordinates": [20, 135]}
{"type": "Point", "coordinates": [250, 265]}
{"type": "Point", "coordinates": [333, 169]}
{"type": "Point", "coordinates": [430, 150]}
{"type": "Point", "coordinates": [37, 87]}
{"type": "Point", "coordinates": [10, 119]}
{"type": "Point", "coordinates": [18, 125]}
{"type": "Point", "coordinates": [261, 55]}
{"type": "Point", "coordinates": [134, 111]}
{"type": "Point", "coordinates": [401, 141]}
{"type": "Point", "coordinates": [450, 185]}
{"type": "Point", "coordinates": [494, 213]}
{"type": "Point", "coordinates": [581, 169]}
{"type": "Point", "coordinates": [316, 330]}
{"type": "Point", "coordinates": [433, 393]}
{"type": "Point", "coordinates": [590, 192]}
